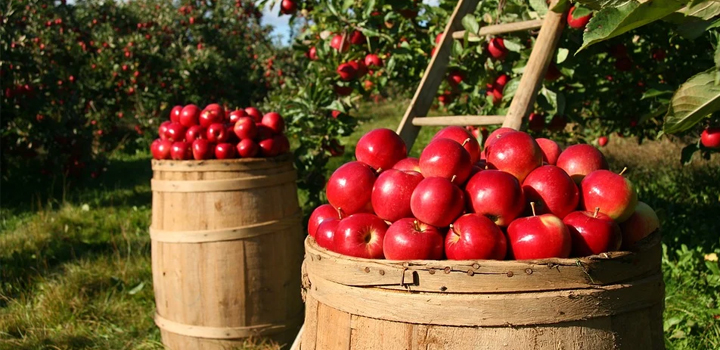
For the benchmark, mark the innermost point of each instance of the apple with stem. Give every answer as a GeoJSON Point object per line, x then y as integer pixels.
{"type": "Point", "coordinates": [463, 137]}
{"type": "Point", "coordinates": [360, 235]}
{"type": "Point", "coordinates": [516, 153]}
{"type": "Point", "coordinates": [349, 188]}
{"type": "Point", "coordinates": [408, 164]}
{"type": "Point", "coordinates": [474, 236]}
{"type": "Point", "coordinates": [380, 149]}
{"type": "Point", "coordinates": [392, 192]}
{"type": "Point", "coordinates": [496, 195]}
{"type": "Point", "coordinates": [245, 128]}
{"type": "Point", "coordinates": [447, 159]}
{"type": "Point", "coordinates": [217, 133]}
{"type": "Point", "coordinates": [581, 160]}
{"type": "Point", "coordinates": [195, 132]}
{"type": "Point", "coordinates": [437, 201]}
{"type": "Point", "coordinates": [592, 233]}
{"type": "Point", "coordinates": [410, 239]}
{"type": "Point", "coordinates": [320, 214]}
{"type": "Point", "coordinates": [612, 193]}
{"type": "Point", "coordinates": [539, 237]}
{"type": "Point", "coordinates": [552, 191]}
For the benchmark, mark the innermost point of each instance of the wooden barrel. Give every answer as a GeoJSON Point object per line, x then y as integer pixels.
{"type": "Point", "coordinates": [226, 251]}
{"type": "Point", "coordinates": [609, 301]}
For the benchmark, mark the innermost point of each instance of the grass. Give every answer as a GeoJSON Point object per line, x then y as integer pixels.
{"type": "Point", "coordinates": [75, 273]}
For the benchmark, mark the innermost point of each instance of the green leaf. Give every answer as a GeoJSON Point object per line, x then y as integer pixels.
{"type": "Point", "coordinates": [598, 4]}
{"type": "Point", "coordinates": [457, 49]}
{"type": "Point", "coordinates": [347, 4]}
{"type": "Point", "coordinates": [687, 153]}
{"type": "Point", "coordinates": [717, 55]}
{"type": "Point", "coordinates": [560, 6]}
{"type": "Point", "coordinates": [562, 55]}
{"type": "Point", "coordinates": [137, 288]}
{"type": "Point", "coordinates": [705, 10]}
{"type": "Point", "coordinates": [470, 24]}
{"type": "Point", "coordinates": [693, 101]}
{"type": "Point", "coordinates": [694, 28]}
{"type": "Point", "coordinates": [552, 99]}
{"type": "Point", "coordinates": [369, 7]}
{"type": "Point", "coordinates": [540, 6]}
{"type": "Point", "coordinates": [581, 11]}
{"type": "Point", "coordinates": [513, 45]}
{"type": "Point", "coordinates": [610, 22]}
{"type": "Point", "coordinates": [656, 92]}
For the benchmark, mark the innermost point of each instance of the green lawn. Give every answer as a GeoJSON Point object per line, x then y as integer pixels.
{"type": "Point", "coordinates": [75, 273]}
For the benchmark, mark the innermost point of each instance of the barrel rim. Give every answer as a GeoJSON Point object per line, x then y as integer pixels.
{"type": "Point", "coordinates": [218, 164]}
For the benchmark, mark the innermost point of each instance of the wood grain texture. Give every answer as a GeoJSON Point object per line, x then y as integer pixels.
{"type": "Point", "coordinates": [502, 28]}
{"type": "Point", "coordinates": [243, 285]}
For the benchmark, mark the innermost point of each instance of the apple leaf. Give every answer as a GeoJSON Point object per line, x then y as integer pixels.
{"type": "Point", "coordinates": [540, 6]}
{"type": "Point", "coordinates": [470, 24]}
{"type": "Point", "coordinates": [705, 10]}
{"type": "Point", "coordinates": [562, 55]}
{"type": "Point", "coordinates": [610, 22]}
{"type": "Point", "coordinates": [598, 4]}
{"type": "Point", "coordinates": [693, 101]}
{"type": "Point", "coordinates": [369, 7]}
{"type": "Point", "coordinates": [656, 92]}
{"type": "Point", "coordinates": [513, 45]}
{"type": "Point", "coordinates": [581, 11]}
{"type": "Point", "coordinates": [687, 153]}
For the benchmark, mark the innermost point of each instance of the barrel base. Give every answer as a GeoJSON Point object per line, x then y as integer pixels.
{"type": "Point", "coordinates": [174, 341]}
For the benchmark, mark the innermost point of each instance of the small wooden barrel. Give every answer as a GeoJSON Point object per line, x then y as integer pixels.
{"type": "Point", "coordinates": [226, 251]}
{"type": "Point", "coordinates": [610, 301]}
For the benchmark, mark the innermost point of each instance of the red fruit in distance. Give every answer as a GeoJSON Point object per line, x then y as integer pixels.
{"type": "Point", "coordinates": [392, 192]}
{"type": "Point", "coordinates": [581, 160]}
{"type": "Point", "coordinates": [312, 53]}
{"type": "Point", "coordinates": [410, 239]}
{"type": "Point", "coordinates": [175, 114]}
{"type": "Point", "coordinates": [360, 235]}
{"type": "Point", "coordinates": [337, 43]}
{"type": "Point", "coordinates": [557, 123]}
{"type": "Point", "coordinates": [202, 149]}
{"type": "Point", "coordinates": [224, 151]}
{"type": "Point", "coordinates": [516, 153]}
{"type": "Point", "coordinates": [254, 113]}
{"type": "Point", "coordinates": [269, 147]}
{"type": "Point", "coordinates": [408, 165]}
{"type": "Point", "coordinates": [288, 7]}
{"type": "Point", "coordinates": [463, 137]}
{"type": "Point", "coordinates": [612, 193]}
{"type": "Point", "coordinates": [550, 149]}
{"type": "Point", "coordinates": [500, 82]}
{"type": "Point", "coordinates": [162, 130]}
{"type": "Point", "coordinates": [438, 38]}
{"type": "Point", "coordinates": [710, 137]}
{"type": "Point", "coordinates": [247, 148]}
{"type": "Point", "coordinates": [577, 22]}
{"type": "Point", "coordinates": [473, 237]}
{"type": "Point", "coordinates": [360, 68]}
{"type": "Point", "coordinates": [274, 121]}
{"type": "Point", "coordinates": [602, 141]}
{"type": "Point", "coordinates": [175, 132]}
{"type": "Point", "coordinates": [235, 115]}
{"type": "Point", "coordinates": [325, 233]}
{"type": "Point", "coordinates": [639, 225]}
{"type": "Point", "coordinates": [536, 122]}
{"type": "Point", "coordinates": [437, 201]}
{"type": "Point", "coordinates": [496, 48]}
{"type": "Point", "coordinates": [217, 133]}
{"type": "Point", "coordinates": [357, 38]}
{"type": "Point", "coordinates": [447, 159]}
{"type": "Point", "coordinates": [496, 195]}
{"type": "Point", "coordinates": [552, 191]}
{"type": "Point", "coordinates": [189, 115]}
{"type": "Point", "coordinates": [380, 149]}
{"type": "Point", "coordinates": [320, 214]}
{"type": "Point", "coordinates": [349, 188]}
{"type": "Point", "coordinates": [373, 61]}
{"type": "Point", "coordinates": [245, 128]}
{"type": "Point", "coordinates": [455, 77]}
{"type": "Point", "coordinates": [180, 151]}
{"type": "Point", "coordinates": [592, 233]}
{"type": "Point", "coordinates": [346, 72]}
{"type": "Point", "coordinates": [195, 132]}
{"type": "Point", "coordinates": [539, 237]}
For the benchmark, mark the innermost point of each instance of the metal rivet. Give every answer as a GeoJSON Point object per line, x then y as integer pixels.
{"type": "Point", "coordinates": [382, 273]}
{"type": "Point", "coordinates": [470, 272]}
{"type": "Point", "coordinates": [510, 274]}
{"type": "Point", "coordinates": [443, 288]}
{"type": "Point", "coordinates": [476, 266]}
{"type": "Point", "coordinates": [528, 271]}
{"type": "Point", "coordinates": [367, 269]}
{"type": "Point", "coordinates": [447, 269]}
{"type": "Point", "coordinates": [431, 271]}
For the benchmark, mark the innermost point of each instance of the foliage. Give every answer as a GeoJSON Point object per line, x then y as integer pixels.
{"type": "Point", "coordinates": [80, 81]}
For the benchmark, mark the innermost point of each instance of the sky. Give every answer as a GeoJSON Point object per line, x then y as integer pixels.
{"type": "Point", "coordinates": [280, 23]}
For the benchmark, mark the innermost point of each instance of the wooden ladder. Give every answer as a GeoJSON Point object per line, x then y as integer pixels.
{"type": "Point", "coordinates": [545, 46]}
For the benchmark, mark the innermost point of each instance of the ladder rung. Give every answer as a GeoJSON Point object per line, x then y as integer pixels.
{"type": "Point", "coordinates": [502, 28]}
{"type": "Point", "coordinates": [459, 120]}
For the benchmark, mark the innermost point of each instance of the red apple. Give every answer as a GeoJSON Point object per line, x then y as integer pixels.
{"type": "Point", "coordinates": [224, 151]}
{"type": "Point", "coordinates": [360, 235]}
{"type": "Point", "coordinates": [357, 38]}
{"type": "Point", "coordinates": [552, 191]}
{"type": "Point", "coordinates": [455, 77]}
{"type": "Point", "coordinates": [516, 153]}
{"type": "Point", "coordinates": [283, 143]}
{"type": "Point", "coordinates": [407, 165]}
{"type": "Point", "coordinates": [496, 135]}
{"type": "Point", "coordinates": [232, 138]}
{"type": "Point", "coordinates": [360, 68]}
{"type": "Point", "coordinates": [380, 149]}
{"type": "Point", "coordinates": [175, 132]}
{"type": "Point", "coordinates": [288, 7]}
{"type": "Point", "coordinates": [639, 225]}
{"type": "Point", "coordinates": [202, 149]}
{"type": "Point", "coordinates": [557, 123]}
{"type": "Point", "coordinates": [175, 114]}
{"type": "Point", "coordinates": [392, 192]}
{"type": "Point", "coordinates": [612, 193]}
{"type": "Point", "coordinates": [247, 148]}
{"type": "Point", "coordinates": [539, 237]}
{"type": "Point", "coordinates": [180, 151]}
{"type": "Point", "coordinates": [550, 149]}
{"type": "Point", "coordinates": [447, 159]}
{"type": "Point", "coordinates": [161, 149]}
{"type": "Point", "coordinates": [496, 48]}
{"type": "Point", "coordinates": [337, 43]}
{"type": "Point", "coordinates": [212, 114]}
{"type": "Point", "coordinates": [263, 132]}
{"type": "Point", "coordinates": [495, 194]}
{"type": "Point", "coordinates": [437, 201]}
{"type": "Point", "coordinates": [536, 122]}
{"type": "Point", "coordinates": [473, 237]}
{"type": "Point", "coordinates": [500, 82]}
{"type": "Point", "coordinates": [254, 113]}
{"type": "Point", "coordinates": [346, 72]}
{"type": "Point", "coordinates": [269, 147]}
{"type": "Point", "coordinates": [602, 141]}
{"type": "Point", "coordinates": [235, 115]}
{"type": "Point", "coordinates": [373, 61]}
{"type": "Point", "coordinates": [274, 121]}
{"type": "Point", "coordinates": [320, 214]}
{"type": "Point", "coordinates": [195, 132]}
{"type": "Point", "coordinates": [162, 129]}
{"type": "Point", "coordinates": [592, 233]}
{"type": "Point", "coordinates": [325, 233]}
{"type": "Point", "coordinates": [577, 22]}
{"type": "Point", "coordinates": [189, 115]}
{"type": "Point", "coordinates": [349, 188]}
{"type": "Point", "coordinates": [410, 239]}
{"type": "Point", "coordinates": [580, 160]}
{"type": "Point", "coordinates": [245, 128]}
{"type": "Point", "coordinates": [710, 137]}
{"type": "Point", "coordinates": [217, 133]}
{"type": "Point", "coordinates": [463, 137]}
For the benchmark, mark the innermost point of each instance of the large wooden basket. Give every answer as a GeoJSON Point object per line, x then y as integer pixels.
{"type": "Point", "coordinates": [226, 251]}
{"type": "Point", "coordinates": [607, 301]}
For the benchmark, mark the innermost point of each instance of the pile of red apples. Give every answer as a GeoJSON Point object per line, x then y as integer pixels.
{"type": "Point", "coordinates": [214, 133]}
{"type": "Point", "coordinates": [517, 198]}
